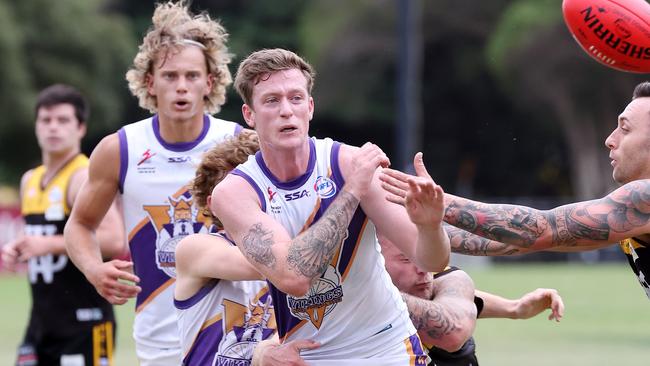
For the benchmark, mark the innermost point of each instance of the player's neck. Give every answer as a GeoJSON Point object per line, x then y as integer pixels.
{"type": "Point", "coordinates": [53, 162]}
{"type": "Point", "coordinates": [175, 131]}
{"type": "Point", "coordinates": [286, 164]}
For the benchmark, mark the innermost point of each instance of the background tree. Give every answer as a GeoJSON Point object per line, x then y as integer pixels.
{"type": "Point", "coordinates": [79, 42]}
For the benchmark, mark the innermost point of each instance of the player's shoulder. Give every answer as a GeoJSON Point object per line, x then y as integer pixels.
{"type": "Point", "coordinates": [107, 148]}
{"type": "Point", "coordinates": [633, 191]}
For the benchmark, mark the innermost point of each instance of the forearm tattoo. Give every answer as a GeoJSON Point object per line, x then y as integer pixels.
{"type": "Point", "coordinates": [464, 242]}
{"type": "Point", "coordinates": [310, 252]}
{"type": "Point", "coordinates": [257, 245]}
{"type": "Point", "coordinates": [450, 310]}
{"type": "Point", "coordinates": [519, 226]}
{"type": "Point", "coordinates": [431, 318]}
{"type": "Point", "coordinates": [516, 225]}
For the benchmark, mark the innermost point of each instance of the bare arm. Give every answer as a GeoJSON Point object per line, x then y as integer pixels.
{"type": "Point", "coordinates": [92, 202]}
{"type": "Point", "coordinates": [424, 241]}
{"type": "Point", "coordinates": [526, 307]}
{"type": "Point", "coordinates": [447, 320]}
{"type": "Point", "coordinates": [291, 264]}
{"type": "Point", "coordinates": [200, 257]}
{"type": "Point", "coordinates": [110, 232]}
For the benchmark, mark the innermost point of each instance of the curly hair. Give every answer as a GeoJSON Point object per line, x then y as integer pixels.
{"type": "Point", "coordinates": [175, 27]}
{"type": "Point", "coordinates": [260, 64]}
{"type": "Point", "coordinates": [217, 163]}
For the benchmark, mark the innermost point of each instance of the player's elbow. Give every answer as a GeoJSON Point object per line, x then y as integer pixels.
{"type": "Point", "coordinates": [298, 288]}
{"type": "Point", "coordinates": [293, 285]}
{"type": "Point", "coordinates": [455, 340]}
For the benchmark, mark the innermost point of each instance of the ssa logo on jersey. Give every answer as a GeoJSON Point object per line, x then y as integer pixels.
{"type": "Point", "coordinates": [179, 159]}
{"type": "Point", "coordinates": [325, 187]}
{"type": "Point", "coordinates": [296, 195]}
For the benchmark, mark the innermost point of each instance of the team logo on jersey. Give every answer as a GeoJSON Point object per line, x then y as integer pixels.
{"type": "Point", "coordinates": [144, 166]}
{"type": "Point", "coordinates": [179, 159]}
{"type": "Point", "coordinates": [146, 155]}
{"type": "Point", "coordinates": [320, 300]}
{"type": "Point", "coordinates": [296, 195]}
{"type": "Point", "coordinates": [173, 222]}
{"type": "Point", "coordinates": [55, 210]}
{"type": "Point", "coordinates": [46, 265]}
{"type": "Point", "coordinates": [325, 187]}
{"type": "Point", "coordinates": [275, 208]}
{"type": "Point", "coordinates": [244, 327]}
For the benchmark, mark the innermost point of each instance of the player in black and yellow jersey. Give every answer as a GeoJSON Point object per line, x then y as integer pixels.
{"type": "Point", "coordinates": [622, 216]}
{"type": "Point", "coordinates": [70, 323]}
{"type": "Point", "coordinates": [444, 306]}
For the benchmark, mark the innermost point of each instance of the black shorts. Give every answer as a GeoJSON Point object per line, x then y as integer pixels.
{"type": "Point", "coordinates": [467, 360]}
{"type": "Point", "coordinates": [91, 346]}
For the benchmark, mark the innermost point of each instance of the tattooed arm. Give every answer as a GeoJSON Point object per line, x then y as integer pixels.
{"type": "Point", "coordinates": [584, 225]}
{"type": "Point", "coordinates": [448, 319]}
{"type": "Point", "coordinates": [291, 264]}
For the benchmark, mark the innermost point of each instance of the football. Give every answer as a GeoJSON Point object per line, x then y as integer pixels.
{"type": "Point", "coordinates": [614, 32]}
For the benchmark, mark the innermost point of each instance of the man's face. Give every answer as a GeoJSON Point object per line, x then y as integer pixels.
{"type": "Point", "coordinates": [57, 129]}
{"type": "Point", "coordinates": [180, 82]}
{"type": "Point", "coordinates": [406, 276]}
{"type": "Point", "coordinates": [281, 109]}
{"type": "Point", "coordinates": [629, 143]}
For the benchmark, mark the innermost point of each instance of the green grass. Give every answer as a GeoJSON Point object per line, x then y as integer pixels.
{"type": "Point", "coordinates": [605, 323]}
{"type": "Point", "coordinates": [606, 320]}
{"type": "Point", "coordinates": [14, 313]}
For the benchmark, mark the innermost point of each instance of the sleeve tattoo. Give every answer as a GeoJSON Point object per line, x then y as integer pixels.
{"type": "Point", "coordinates": [522, 227]}
{"type": "Point", "coordinates": [311, 252]}
{"type": "Point", "coordinates": [257, 245]}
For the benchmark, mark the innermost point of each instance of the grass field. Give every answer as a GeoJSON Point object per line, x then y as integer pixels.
{"type": "Point", "coordinates": [606, 320]}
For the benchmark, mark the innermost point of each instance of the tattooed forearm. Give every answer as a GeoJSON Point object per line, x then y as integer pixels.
{"type": "Point", "coordinates": [464, 242]}
{"type": "Point", "coordinates": [517, 225]}
{"type": "Point", "coordinates": [310, 252]}
{"type": "Point", "coordinates": [257, 245]}
{"type": "Point", "coordinates": [430, 317]}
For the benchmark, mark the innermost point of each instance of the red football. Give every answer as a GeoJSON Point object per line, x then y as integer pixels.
{"type": "Point", "coordinates": [614, 32]}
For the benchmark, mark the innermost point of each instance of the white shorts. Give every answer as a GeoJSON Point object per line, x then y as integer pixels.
{"type": "Point", "coordinates": [407, 353]}
{"type": "Point", "coordinates": [150, 356]}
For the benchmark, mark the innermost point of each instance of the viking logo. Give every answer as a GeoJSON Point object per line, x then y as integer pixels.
{"type": "Point", "coordinates": [173, 222]}
{"type": "Point", "coordinates": [244, 327]}
{"type": "Point", "coordinates": [321, 299]}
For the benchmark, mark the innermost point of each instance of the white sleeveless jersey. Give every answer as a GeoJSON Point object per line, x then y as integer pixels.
{"type": "Point", "coordinates": [158, 213]}
{"type": "Point", "coordinates": [353, 309]}
{"type": "Point", "coordinates": [223, 321]}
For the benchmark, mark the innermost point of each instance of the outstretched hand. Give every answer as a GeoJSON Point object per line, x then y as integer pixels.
{"type": "Point", "coordinates": [539, 300]}
{"type": "Point", "coordinates": [420, 195]}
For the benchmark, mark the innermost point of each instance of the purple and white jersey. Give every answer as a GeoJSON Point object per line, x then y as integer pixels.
{"type": "Point", "coordinates": [353, 309]}
{"type": "Point", "coordinates": [223, 321]}
{"type": "Point", "coordinates": [158, 213]}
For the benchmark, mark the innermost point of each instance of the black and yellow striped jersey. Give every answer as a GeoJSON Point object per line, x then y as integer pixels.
{"type": "Point", "coordinates": [61, 295]}
{"type": "Point", "coordinates": [637, 253]}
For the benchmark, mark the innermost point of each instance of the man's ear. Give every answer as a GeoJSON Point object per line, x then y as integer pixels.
{"type": "Point", "coordinates": [149, 80]}
{"type": "Point", "coordinates": [249, 115]}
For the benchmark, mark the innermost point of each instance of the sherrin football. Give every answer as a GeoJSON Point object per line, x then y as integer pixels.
{"type": "Point", "coordinates": [614, 32]}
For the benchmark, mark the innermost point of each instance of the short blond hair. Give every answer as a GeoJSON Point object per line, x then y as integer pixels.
{"type": "Point", "coordinates": [258, 65]}
{"type": "Point", "coordinates": [217, 163]}
{"type": "Point", "coordinates": [175, 27]}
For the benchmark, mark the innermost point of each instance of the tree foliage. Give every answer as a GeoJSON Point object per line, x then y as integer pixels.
{"type": "Point", "coordinates": [70, 41]}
